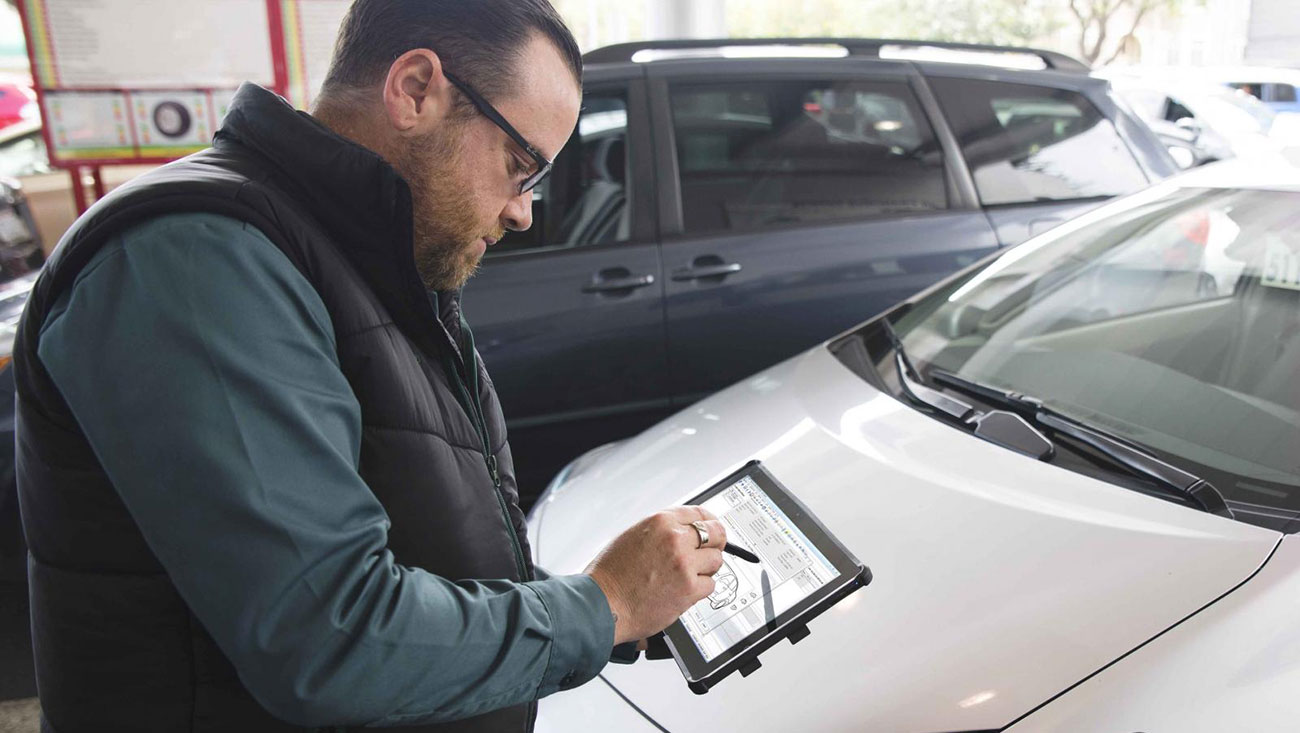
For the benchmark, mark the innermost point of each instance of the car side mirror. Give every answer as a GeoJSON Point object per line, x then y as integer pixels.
{"type": "Point", "coordinates": [1182, 156]}
{"type": "Point", "coordinates": [1191, 125]}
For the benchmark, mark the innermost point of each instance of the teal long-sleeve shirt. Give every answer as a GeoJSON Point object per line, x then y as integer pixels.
{"type": "Point", "coordinates": [201, 366]}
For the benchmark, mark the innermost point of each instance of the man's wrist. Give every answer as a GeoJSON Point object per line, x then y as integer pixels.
{"type": "Point", "coordinates": [609, 587]}
{"type": "Point", "coordinates": [582, 634]}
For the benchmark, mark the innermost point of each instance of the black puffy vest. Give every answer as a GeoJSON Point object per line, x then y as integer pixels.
{"type": "Point", "coordinates": [116, 648]}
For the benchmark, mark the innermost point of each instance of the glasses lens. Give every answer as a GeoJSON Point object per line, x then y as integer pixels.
{"type": "Point", "coordinates": [531, 182]}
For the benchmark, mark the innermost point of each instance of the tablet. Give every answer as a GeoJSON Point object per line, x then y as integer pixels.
{"type": "Point", "coordinates": [804, 570]}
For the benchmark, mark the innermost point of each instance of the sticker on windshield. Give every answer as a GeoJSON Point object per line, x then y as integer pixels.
{"type": "Point", "coordinates": [1281, 266]}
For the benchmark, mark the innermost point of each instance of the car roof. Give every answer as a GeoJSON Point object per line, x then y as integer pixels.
{"type": "Point", "coordinates": [1277, 173]}
{"type": "Point", "coordinates": [970, 54]}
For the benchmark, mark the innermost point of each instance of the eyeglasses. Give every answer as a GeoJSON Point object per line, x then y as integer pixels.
{"type": "Point", "coordinates": [490, 112]}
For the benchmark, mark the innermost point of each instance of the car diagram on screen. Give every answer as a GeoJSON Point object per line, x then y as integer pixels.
{"type": "Point", "coordinates": [726, 586]}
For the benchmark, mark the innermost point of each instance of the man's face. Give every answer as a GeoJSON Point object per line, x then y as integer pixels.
{"type": "Point", "coordinates": [464, 175]}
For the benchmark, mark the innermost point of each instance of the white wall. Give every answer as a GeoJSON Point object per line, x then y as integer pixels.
{"type": "Point", "coordinates": [1273, 38]}
{"type": "Point", "coordinates": [686, 18]}
{"type": "Point", "coordinates": [1211, 34]}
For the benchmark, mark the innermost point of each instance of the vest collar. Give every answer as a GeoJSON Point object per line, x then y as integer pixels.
{"type": "Point", "coordinates": [352, 185]}
{"type": "Point", "coordinates": [355, 193]}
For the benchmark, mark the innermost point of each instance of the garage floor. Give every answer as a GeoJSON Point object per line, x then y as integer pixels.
{"type": "Point", "coordinates": [20, 716]}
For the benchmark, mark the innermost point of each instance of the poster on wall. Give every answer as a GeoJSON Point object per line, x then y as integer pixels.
{"type": "Point", "coordinates": [147, 81]}
{"type": "Point", "coordinates": [310, 27]}
{"type": "Point", "coordinates": [89, 125]}
{"type": "Point", "coordinates": [173, 123]}
{"type": "Point", "coordinates": [150, 44]}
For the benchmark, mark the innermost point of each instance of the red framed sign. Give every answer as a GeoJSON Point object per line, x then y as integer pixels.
{"type": "Point", "coordinates": [148, 81]}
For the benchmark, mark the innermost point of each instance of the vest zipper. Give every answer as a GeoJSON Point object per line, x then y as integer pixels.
{"type": "Point", "coordinates": [469, 394]}
{"type": "Point", "coordinates": [495, 473]}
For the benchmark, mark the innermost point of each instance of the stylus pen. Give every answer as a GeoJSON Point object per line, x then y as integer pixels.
{"type": "Point", "coordinates": [743, 554]}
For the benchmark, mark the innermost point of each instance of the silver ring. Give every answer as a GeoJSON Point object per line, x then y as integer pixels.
{"type": "Point", "coordinates": [703, 530]}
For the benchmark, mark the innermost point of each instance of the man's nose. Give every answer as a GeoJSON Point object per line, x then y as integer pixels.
{"type": "Point", "coordinates": [518, 214]}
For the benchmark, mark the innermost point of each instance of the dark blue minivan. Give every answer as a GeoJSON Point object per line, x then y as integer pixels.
{"type": "Point", "coordinates": [726, 204]}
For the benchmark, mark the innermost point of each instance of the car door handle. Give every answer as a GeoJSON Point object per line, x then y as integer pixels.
{"type": "Point", "coordinates": [604, 284]}
{"type": "Point", "coordinates": [701, 272]}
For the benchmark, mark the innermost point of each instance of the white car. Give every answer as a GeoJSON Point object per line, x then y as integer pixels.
{"type": "Point", "coordinates": [1228, 122]}
{"type": "Point", "coordinates": [1138, 579]}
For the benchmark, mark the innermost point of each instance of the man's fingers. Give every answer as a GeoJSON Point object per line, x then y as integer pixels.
{"type": "Point", "coordinates": [704, 587]}
{"type": "Point", "coordinates": [702, 513]}
{"type": "Point", "coordinates": [712, 562]}
{"type": "Point", "coordinates": [717, 533]}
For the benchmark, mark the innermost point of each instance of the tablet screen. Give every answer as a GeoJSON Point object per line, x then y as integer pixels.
{"type": "Point", "coordinates": [750, 595]}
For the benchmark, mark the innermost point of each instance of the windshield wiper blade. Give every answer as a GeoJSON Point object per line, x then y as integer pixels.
{"type": "Point", "coordinates": [1136, 460]}
{"type": "Point", "coordinates": [916, 388]}
{"type": "Point", "coordinates": [1006, 429]}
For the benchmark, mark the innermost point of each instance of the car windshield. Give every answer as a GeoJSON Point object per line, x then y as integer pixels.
{"type": "Point", "coordinates": [1171, 319]}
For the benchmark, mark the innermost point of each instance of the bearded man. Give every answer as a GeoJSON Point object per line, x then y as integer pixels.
{"type": "Point", "coordinates": [263, 473]}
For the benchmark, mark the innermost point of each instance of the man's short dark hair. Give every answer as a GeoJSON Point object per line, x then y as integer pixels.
{"type": "Point", "coordinates": [479, 41]}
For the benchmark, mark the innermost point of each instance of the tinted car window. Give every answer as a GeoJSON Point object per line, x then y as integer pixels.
{"type": "Point", "coordinates": [1283, 93]}
{"type": "Point", "coordinates": [753, 155]}
{"type": "Point", "coordinates": [1029, 143]}
{"type": "Point", "coordinates": [1175, 112]}
{"type": "Point", "coordinates": [585, 199]}
{"type": "Point", "coordinates": [1254, 90]}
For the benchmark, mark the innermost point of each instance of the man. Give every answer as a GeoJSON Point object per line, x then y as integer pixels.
{"type": "Point", "coordinates": [263, 473]}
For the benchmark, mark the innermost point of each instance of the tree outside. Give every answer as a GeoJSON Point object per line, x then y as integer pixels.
{"type": "Point", "coordinates": [1097, 31]}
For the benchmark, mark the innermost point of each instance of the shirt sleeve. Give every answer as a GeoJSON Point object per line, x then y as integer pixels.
{"type": "Point", "coordinates": [201, 366]}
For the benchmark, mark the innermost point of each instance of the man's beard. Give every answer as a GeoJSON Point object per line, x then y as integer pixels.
{"type": "Point", "coordinates": [444, 228]}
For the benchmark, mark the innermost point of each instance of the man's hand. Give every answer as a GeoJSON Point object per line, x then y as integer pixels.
{"type": "Point", "coordinates": [656, 570]}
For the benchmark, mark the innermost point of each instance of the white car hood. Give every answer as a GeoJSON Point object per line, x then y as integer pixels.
{"type": "Point", "coordinates": [999, 581]}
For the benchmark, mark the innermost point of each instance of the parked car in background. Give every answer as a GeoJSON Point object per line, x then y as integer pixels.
{"type": "Point", "coordinates": [725, 204]}
{"type": "Point", "coordinates": [1188, 147]}
{"type": "Point", "coordinates": [1072, 469]}
{"type": "Point", "coordinates": [17, 105]}
{"type": "Point", "coordinates": [22, 150]}
{"type": "Point", "coordinates": [1225, 122]}
{"type": "Point", "coordinates": [21, 250]}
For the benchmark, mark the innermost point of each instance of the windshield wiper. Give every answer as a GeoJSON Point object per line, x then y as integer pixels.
{"type": "Point", "coordinates": [915, 387]}
{"type": "Point", "coordinates": [1007, 429]}
{"type": "Point", "coordinates": [1136, 460]}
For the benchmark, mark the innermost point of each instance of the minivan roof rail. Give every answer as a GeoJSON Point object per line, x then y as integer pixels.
{"type": "Point", "coordinates": [870, 47]}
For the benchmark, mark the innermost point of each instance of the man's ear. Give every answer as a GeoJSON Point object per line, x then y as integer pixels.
{"type": "Point", "coordinates": [416, 94]}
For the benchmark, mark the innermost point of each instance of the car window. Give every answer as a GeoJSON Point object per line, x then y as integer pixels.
{"type": "Point", "coordinates": [1253, 89]}
{"type": "Point", "coordinates": [1030, 143]}
{"type": "Point", "coordinates": [758, 154]}
{"type": "Point", "coordinates": [1174, 112]}
{"type": "Point", "coordinates": [585, 200]}
{"type": "Point", "coordinates": [1283, 93]}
